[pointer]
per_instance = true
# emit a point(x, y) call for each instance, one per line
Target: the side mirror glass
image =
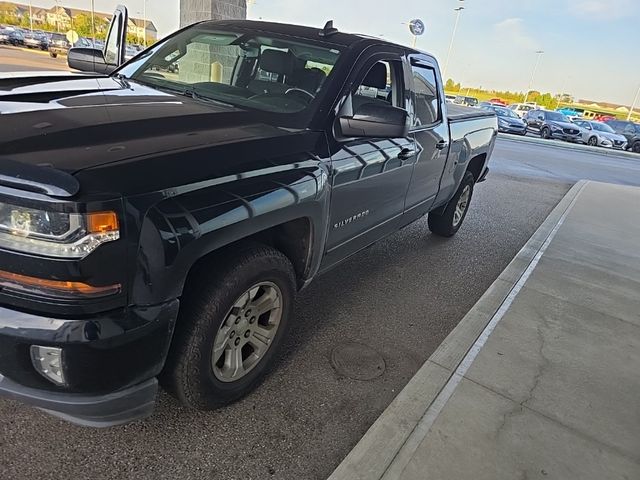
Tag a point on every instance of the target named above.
point(115, 43)
point(375, 120)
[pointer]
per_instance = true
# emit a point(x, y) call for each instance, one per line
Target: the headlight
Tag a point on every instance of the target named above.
point(55, 234)
point(555, 127)
point(502, 122)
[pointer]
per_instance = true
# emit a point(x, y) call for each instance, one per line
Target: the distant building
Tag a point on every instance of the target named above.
point(62, 18)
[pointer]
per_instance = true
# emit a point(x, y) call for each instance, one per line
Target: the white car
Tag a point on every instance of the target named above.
point(598, 134)
point(521, 109)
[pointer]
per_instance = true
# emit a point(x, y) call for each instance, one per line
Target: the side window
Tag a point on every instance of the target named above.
point(382, 83)
point(629, 129)
point(427, 103)
point(112, 43)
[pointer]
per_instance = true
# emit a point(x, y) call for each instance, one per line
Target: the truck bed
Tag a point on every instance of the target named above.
point(457, 113)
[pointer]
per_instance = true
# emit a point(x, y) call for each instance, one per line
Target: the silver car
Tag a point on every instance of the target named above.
point(598, 134)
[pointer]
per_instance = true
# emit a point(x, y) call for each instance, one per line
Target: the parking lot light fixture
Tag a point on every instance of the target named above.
point(633, 105)
point(539, 55)
point(458, 11)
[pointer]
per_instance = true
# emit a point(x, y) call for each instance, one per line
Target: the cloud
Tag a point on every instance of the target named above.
point(513, 31)
point(601, 9)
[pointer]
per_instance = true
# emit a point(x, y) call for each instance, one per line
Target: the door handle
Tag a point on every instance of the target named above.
point(406, 153)
point(441, 145)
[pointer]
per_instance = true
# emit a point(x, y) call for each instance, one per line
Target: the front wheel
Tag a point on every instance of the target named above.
point(234, 315)
point(635, 148)
point(545, 133)
point(593, 142)
point(450, 220)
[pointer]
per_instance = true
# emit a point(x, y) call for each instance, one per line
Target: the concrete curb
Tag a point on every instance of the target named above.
point(607, 152)
point(375, 453)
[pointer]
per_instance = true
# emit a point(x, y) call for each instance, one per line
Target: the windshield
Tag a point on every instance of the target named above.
point(249, 71)
point(505, 112)
point(556, 117)
point(602, 127)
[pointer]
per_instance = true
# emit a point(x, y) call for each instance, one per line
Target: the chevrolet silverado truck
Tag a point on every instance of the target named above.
point(158, 216)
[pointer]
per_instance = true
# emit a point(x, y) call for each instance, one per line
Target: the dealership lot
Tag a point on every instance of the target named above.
point(400, 297)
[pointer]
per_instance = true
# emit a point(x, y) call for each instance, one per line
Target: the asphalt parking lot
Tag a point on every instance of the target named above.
point(400, 297)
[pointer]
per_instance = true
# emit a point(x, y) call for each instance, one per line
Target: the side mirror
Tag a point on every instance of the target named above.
point(375, 120)
point(541, 117)
point(88, 60)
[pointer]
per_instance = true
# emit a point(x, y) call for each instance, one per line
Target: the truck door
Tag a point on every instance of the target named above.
point(431, 134)
point(369, 176)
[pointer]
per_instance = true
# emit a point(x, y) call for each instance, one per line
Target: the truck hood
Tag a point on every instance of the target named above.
point(75, 123)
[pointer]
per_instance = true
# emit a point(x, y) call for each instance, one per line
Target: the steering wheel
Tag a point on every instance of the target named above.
point(296, 90)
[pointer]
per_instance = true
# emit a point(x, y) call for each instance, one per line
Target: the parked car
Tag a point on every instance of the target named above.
point(59, 45)
point(450, 98)
point(5, 35)
point(498, 102)
point(36, 40)
point(16, 37)
point(630, 130)
point(508, 121)
point(464, 100)
point(598, 134)
point(521, 109)
point(179, 254)
point(549, 124)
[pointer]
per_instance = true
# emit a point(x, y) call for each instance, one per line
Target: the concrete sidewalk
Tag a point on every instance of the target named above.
point(542, 378)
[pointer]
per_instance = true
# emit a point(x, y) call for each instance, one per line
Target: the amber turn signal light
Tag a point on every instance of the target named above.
point(102, 222)
point(54, 287)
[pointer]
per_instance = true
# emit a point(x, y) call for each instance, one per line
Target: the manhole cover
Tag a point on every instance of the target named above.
point(357, 361)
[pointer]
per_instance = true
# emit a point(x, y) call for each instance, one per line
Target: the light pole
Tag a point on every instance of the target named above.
point(458, 11)
point(30, 17)
point(144, 22)
point(633, 105)
point(93, 21)
point(539, 53)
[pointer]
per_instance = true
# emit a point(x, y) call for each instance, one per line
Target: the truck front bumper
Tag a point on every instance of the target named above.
point(109, 361)
point(133, 403)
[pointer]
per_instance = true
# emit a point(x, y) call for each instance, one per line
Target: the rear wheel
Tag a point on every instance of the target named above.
point(593, 141)
point(233, 318)
point(53, 55)
point(450, 220)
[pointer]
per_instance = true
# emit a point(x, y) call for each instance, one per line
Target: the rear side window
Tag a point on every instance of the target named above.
point(427, 103)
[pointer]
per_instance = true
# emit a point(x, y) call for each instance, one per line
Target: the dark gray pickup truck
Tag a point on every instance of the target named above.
point(157, 218)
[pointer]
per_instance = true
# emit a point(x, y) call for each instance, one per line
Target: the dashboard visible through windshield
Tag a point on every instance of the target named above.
point(246, 70)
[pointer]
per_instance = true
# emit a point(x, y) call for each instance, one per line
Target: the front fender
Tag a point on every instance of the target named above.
point(178, 231)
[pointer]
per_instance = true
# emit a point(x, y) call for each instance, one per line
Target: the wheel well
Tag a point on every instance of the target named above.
point(292, 238)
point(476, 164)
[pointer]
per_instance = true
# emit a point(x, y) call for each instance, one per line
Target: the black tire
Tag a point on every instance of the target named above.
point(593, 142)
point(635, 148)
point(545, 133)
point(211, 292)
point(443, 224)
point(53, 55)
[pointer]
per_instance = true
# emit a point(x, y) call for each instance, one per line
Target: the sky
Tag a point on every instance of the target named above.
point(592, 47)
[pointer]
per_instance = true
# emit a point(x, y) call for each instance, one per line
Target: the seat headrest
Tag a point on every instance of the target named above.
point(377, 76)
point(276, 61)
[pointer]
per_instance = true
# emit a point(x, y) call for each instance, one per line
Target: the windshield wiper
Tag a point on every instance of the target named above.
point(196, 96)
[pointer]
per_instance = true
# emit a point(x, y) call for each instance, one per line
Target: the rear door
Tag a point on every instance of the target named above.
point(535, 119)
point(370, 176)
point(430, 133)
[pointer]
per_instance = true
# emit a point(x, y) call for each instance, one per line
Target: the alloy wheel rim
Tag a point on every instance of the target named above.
point(461, 206)
point(247, 332)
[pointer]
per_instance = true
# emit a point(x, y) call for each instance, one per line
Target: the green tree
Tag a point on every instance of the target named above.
point(450, 85)
point(82, 25)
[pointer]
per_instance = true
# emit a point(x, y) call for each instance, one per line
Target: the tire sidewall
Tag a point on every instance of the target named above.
point(545, 133)
point(445, 225)
point(210, 391)
point(593, 141)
